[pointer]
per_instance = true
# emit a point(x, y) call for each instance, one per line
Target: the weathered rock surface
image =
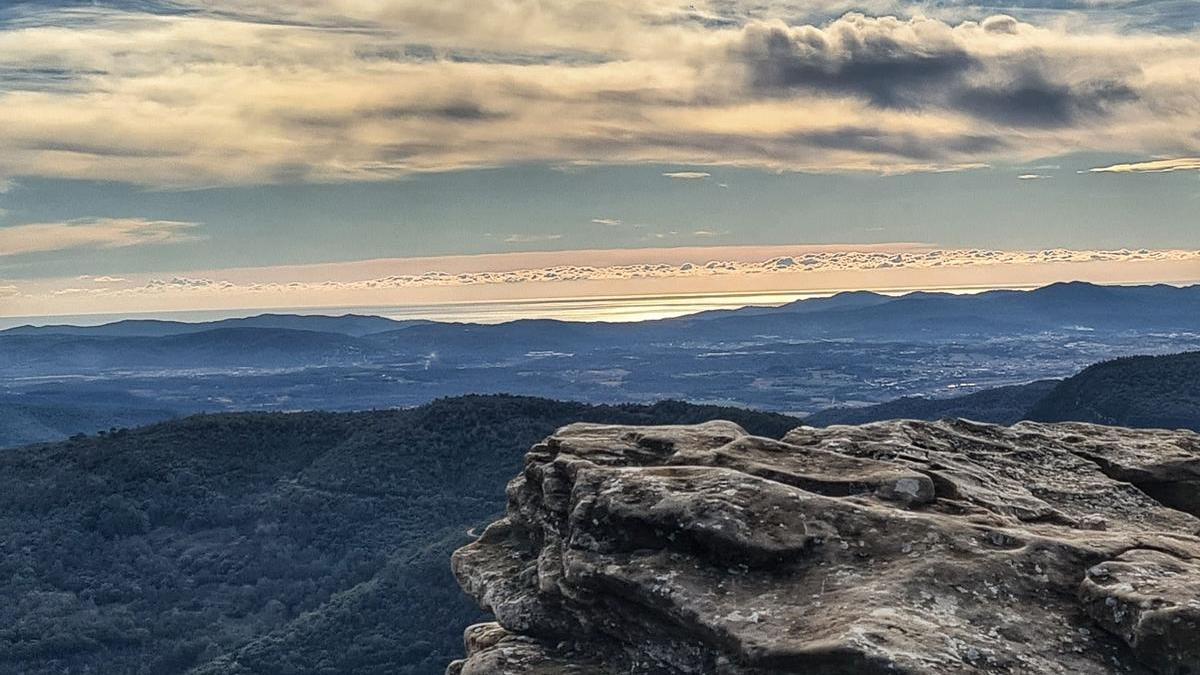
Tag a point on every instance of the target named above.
point(897, 547)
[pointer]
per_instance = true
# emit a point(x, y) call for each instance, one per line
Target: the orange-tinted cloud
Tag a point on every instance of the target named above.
point(92, 233)
point(241, 92)
point(608, 273)
point(1152, 166)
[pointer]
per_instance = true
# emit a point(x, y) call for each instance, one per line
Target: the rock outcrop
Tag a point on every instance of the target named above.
point(897, 547)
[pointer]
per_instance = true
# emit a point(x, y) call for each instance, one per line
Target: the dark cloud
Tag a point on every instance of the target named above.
point(1032, 101)
point(424, 53)
point(875, 141)
point(99, 148)
point(923, 64)
point(465, 111)
point(43, 78)
point(873, 63)
point(904, 145)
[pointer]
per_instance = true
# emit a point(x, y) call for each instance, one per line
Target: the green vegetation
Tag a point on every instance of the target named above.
point(1139, 391)
point(25, 423)
point(267, 542)
point(1142, 392)
point(318, 542)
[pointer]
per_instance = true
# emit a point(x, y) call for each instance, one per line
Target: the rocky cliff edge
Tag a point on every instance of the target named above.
point(897, 547)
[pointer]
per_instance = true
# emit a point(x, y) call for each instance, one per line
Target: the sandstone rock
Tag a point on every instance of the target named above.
point(1163, 464)
point(491, 650)
point(899, 547)
point(1151, 599)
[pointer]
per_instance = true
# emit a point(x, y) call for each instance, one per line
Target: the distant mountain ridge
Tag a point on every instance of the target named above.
point(233, 346)
point(797, 359)
point(356, 325)
point(1055, 303)
point(916, 316)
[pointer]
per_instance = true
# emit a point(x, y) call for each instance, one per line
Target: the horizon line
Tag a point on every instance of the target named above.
point(783, 297)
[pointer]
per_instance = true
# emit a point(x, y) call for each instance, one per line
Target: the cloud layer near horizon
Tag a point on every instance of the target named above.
point(232, 92)
point(868, 265)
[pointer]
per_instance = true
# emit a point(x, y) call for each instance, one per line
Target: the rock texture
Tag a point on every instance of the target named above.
point(896, 547)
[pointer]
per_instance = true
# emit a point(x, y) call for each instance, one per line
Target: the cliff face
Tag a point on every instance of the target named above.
point(897, 547)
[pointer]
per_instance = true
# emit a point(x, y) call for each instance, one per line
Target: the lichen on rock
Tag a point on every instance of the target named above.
point(896, 547)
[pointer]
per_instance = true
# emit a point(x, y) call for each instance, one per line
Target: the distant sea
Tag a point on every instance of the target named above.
point(613, 309)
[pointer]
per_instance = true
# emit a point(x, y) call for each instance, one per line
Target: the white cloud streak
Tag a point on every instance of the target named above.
point(92, 233)
point(612, 273)
point(813, 261)
point(531, 238)
point(1154, 166)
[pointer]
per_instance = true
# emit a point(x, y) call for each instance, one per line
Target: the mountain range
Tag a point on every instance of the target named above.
point(851, 349)
point(848, 314)
point(347, 324)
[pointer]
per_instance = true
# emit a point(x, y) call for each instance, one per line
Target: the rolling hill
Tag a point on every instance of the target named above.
point(1138, 391)
point(1146, 392)
point(267, 543)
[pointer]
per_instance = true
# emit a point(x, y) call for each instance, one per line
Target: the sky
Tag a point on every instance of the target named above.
point(235, 155)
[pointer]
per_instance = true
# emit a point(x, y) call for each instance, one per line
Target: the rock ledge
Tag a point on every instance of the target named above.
point(896, 547)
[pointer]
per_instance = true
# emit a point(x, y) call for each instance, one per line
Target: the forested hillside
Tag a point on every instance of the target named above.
point(1142, 392)
point(267, 543)
point(1139, 391)
point(42, 418)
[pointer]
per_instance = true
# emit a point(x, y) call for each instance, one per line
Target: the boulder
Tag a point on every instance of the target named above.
point(897, 547)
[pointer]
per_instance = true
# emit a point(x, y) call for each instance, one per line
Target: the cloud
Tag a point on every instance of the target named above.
point(871, 258)
point(188, 283)
point(1154, 166)
point(688, 175)
point(985, 70)
point(611, 272)
point(884, 59)
point(92, 233)
point(530, 238)
point(240, 92)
